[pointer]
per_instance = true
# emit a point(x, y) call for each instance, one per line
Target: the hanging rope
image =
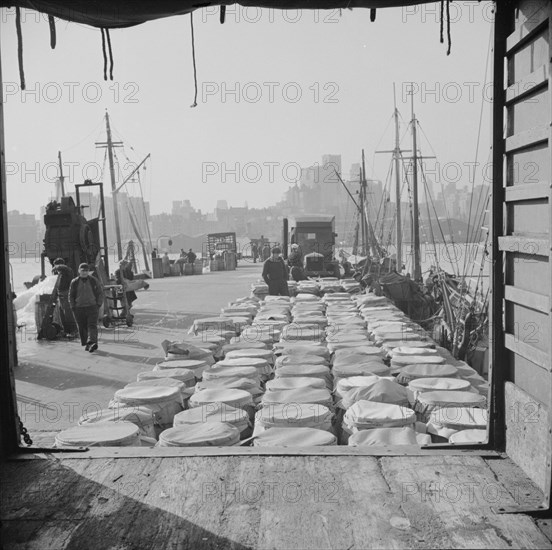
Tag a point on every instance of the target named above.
point(20, 47)
point(222, 14)
point(372, 15)
point(52, 24)
point(445, 3)
point(110, 54)
point(194, 104)
point(107, 38)
point(449, 40)
point(104, 53)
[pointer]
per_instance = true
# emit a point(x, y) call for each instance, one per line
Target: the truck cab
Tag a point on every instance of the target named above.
point(315, 235)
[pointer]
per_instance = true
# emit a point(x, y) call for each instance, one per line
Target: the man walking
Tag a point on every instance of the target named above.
point(65, 275)
point(86, 298)
point(275, 274)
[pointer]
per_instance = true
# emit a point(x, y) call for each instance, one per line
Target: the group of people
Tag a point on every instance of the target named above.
point(260, 252)
point(80, 299)
point(185, 258)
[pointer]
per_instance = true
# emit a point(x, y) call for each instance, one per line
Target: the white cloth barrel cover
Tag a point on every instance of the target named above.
point(197, 366)
point(139, 416)
point(316, 371)
point(300, 359)
point(413, 372)
point(109, 434)
point(265, 354)
point(164, 401)
point(294, 437)
point(367, 368)
point(235, 398)
point(214, 412)
point(262, 366)
point(384, 437)
point(299, 395)
point(428, 402)
point(294, 415)
point(293, 382)
point(186, 376)
point(215, 372)
point(421, 385)
point(447, 421)
point(365, 415)
point(166, 382)
point(468, 436)
point(383, 390)
point(213, 434)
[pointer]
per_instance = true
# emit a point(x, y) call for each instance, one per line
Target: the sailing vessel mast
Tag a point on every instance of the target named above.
point(417, 275)
point(396, 157)
point(110, 144)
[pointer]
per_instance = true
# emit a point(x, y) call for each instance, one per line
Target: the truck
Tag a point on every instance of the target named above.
point(223, 246)
point(315, 234)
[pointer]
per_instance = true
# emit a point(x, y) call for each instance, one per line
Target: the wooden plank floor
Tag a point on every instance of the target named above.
point(266, 502)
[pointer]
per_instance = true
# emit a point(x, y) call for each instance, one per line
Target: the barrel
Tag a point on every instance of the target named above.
point(186, 376)
point(196, 366)
point(186, 392)
point(198, 267)
point(240, 399)
point(188, 269)
point(142, 417)
point(216, 412)
point(164, 401)
point(293, 415)
point(108, 434)
point(295, 382)
point(301, 395)
point(468, 436)
point(294, 437)
point(447, 421)
point(382, 390)
point(213, 265)
point(365, 415)
point(415, 387)
point(414, 372)
point(212, 434)
point(430, 402)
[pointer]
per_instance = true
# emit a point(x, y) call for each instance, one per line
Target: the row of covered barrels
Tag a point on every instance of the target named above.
point(304, 371)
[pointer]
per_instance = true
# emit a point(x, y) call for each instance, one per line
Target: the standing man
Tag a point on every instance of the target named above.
point(254, 252)
point(86, 298)
point(191, 259)
point(275, 274)
point(65, 274)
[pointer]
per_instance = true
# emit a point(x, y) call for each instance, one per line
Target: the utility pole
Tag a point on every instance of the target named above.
point(110, 144)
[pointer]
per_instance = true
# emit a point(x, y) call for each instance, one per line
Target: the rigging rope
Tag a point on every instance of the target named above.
point(194, 104)
point(19, 46)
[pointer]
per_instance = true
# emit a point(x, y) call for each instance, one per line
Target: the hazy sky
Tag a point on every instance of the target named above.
point(277, 90)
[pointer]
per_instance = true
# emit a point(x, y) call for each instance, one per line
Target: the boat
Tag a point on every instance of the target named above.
point(445, 304)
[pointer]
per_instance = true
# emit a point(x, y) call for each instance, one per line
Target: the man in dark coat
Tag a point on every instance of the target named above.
point(86, 298)
point(275, 274)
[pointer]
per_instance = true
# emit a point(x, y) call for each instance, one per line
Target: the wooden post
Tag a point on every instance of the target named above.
point(498, 358)
point(9, 429)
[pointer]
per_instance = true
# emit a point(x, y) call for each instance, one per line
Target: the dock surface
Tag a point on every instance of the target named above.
point(86, 501)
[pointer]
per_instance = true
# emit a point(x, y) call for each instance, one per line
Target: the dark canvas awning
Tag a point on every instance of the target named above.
point(126, 13)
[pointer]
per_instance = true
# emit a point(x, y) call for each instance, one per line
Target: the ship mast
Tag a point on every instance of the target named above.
point(110, 144)
point(417, 275)
point(396, 157)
